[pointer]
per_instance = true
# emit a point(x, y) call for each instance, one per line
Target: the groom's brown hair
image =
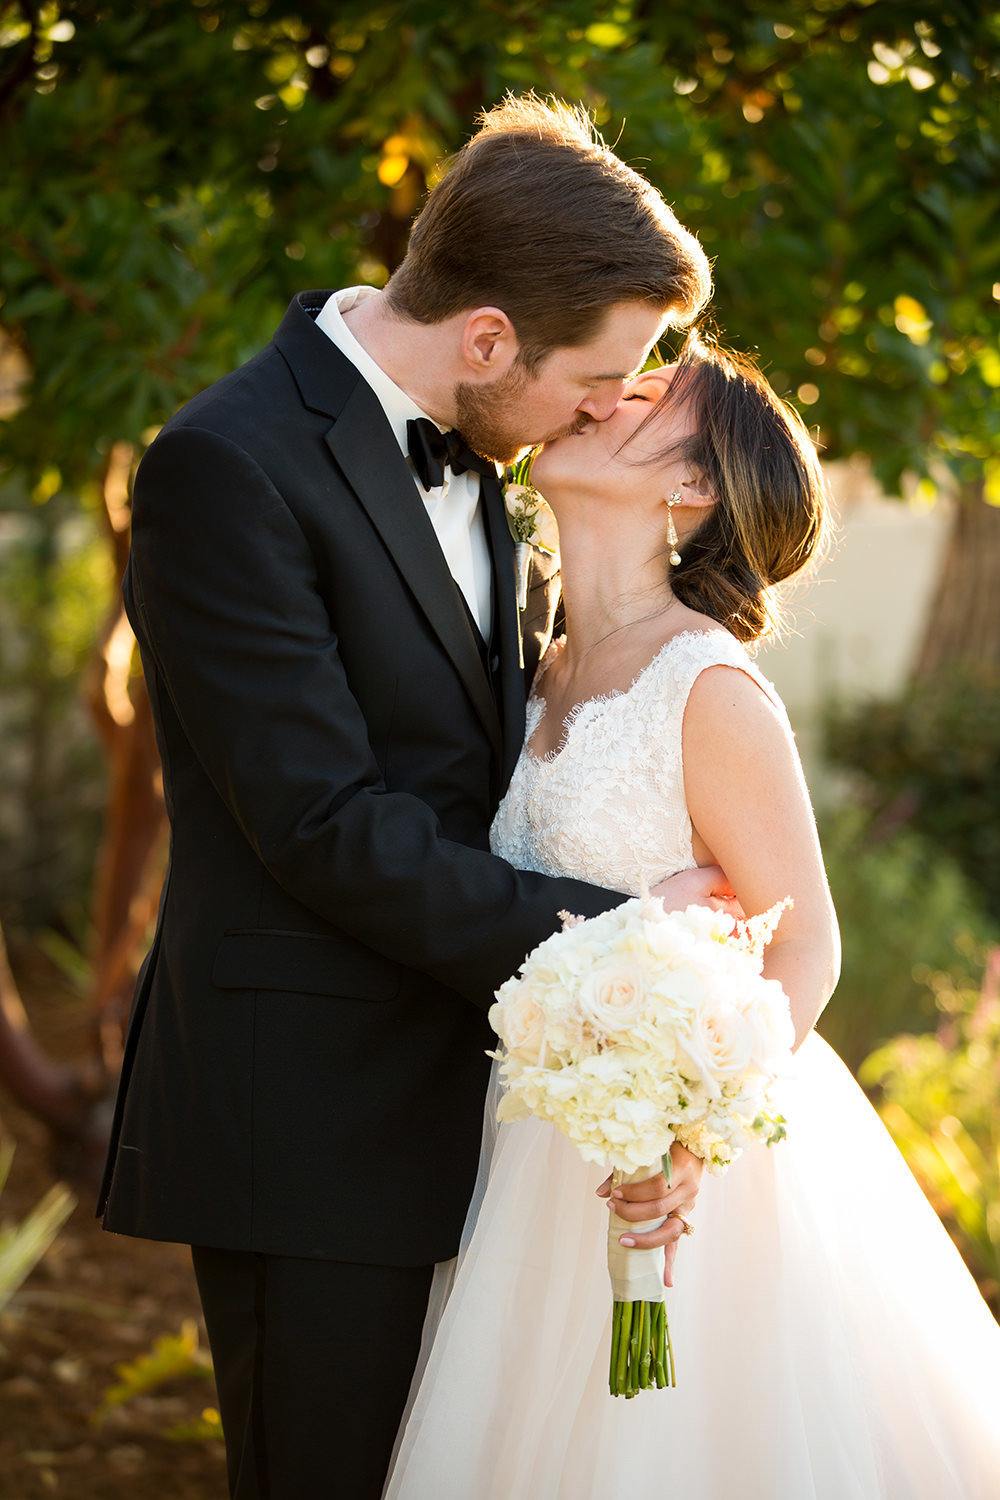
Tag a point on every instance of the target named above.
point(537, 216)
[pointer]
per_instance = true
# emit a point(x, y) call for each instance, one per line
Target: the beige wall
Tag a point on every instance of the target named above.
point(858, 621)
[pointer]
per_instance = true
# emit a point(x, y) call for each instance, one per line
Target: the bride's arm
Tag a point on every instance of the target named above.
point(748, 802)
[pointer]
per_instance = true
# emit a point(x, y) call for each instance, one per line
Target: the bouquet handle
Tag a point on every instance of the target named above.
point(641, 1354)
point(636, 1275)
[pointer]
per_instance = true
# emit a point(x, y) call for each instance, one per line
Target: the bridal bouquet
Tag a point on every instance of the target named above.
point(630, 1031)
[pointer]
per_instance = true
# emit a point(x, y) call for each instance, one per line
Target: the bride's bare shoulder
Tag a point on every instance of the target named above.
point(733, 714)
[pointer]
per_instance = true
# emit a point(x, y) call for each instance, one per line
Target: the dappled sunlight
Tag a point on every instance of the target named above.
point(171, 178)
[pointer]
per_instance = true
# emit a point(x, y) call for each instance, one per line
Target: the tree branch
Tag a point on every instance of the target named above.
point(74, 293)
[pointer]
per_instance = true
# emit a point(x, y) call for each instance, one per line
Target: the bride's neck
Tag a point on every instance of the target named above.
point(614, 581)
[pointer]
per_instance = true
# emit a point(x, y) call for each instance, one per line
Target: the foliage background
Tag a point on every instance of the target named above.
point(173, 171)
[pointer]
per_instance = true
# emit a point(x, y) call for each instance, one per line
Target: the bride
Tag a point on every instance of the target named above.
point(829, 1342)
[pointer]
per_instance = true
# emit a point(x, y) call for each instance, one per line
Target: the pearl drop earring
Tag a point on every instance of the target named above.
point(675, 556)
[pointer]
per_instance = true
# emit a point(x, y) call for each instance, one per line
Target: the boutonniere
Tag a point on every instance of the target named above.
point(530, 520)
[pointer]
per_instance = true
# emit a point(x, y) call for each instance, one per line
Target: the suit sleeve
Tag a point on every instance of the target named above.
point(224, 583)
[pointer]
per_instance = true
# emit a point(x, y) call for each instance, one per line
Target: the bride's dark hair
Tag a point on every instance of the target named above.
point(753, 453)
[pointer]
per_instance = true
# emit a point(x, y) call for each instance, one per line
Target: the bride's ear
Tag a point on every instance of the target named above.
point(695, 494)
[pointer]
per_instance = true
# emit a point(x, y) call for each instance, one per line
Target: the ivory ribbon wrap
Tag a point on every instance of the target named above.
point(522, 562)
point(636, 1275)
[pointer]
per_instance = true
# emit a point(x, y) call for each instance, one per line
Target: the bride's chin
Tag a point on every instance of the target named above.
point(546, 469)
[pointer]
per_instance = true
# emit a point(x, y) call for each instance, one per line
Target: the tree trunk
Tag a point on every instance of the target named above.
point(74, 1102)
point(963, 628)
point(64, 1098)
point(131, 857)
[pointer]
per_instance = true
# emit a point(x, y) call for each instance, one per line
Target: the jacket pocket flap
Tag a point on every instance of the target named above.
point(310, 963)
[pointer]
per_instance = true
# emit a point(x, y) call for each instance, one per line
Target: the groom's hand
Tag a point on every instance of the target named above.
point(705, 885)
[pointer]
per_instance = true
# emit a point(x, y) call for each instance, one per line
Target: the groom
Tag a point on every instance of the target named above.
point(323, 592)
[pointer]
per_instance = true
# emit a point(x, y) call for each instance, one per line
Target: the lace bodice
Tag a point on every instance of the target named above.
point(608, 805)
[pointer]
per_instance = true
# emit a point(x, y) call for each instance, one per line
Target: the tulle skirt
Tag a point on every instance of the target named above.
point(829, 1342)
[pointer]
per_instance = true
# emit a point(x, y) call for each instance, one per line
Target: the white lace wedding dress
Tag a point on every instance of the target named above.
point(829, 1342)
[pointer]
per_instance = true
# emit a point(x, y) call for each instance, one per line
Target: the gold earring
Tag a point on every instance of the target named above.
point(675, 556)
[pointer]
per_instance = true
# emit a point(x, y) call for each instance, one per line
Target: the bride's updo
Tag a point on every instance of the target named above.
point(754, 454)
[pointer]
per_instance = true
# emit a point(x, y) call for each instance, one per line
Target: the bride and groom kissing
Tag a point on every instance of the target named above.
point(324, 597)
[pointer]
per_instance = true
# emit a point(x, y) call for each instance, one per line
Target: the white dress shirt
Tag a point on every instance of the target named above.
point(453, 506)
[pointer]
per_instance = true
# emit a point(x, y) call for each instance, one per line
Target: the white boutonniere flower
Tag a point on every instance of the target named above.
point(531, 523)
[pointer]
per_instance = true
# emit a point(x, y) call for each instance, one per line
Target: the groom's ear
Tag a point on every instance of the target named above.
point(489, 343)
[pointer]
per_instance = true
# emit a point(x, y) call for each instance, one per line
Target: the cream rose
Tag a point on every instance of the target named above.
point(718, 1041)
point(613, 994)
point(546, 527)
point(524, 1027)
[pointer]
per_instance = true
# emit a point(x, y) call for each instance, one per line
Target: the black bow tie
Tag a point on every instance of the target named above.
point(432, 450)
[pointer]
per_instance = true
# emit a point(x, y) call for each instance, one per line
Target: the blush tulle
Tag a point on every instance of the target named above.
point(829, 1342)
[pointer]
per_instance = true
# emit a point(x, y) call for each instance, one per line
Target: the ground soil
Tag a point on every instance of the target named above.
point(94, 1301)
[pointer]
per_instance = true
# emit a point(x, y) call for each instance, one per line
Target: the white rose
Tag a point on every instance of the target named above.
point(546, 527)
point(718, 1041)
point(681, 991)
point(523, 1027)
point(613, 994)
point(774, 1035)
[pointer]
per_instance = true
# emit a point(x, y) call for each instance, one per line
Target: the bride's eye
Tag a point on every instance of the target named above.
point(638, 396)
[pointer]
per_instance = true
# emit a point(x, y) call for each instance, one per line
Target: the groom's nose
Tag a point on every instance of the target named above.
point(600, 404)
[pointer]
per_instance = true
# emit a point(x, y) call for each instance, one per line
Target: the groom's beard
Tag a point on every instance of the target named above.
point(488, 416)
point(493, 418)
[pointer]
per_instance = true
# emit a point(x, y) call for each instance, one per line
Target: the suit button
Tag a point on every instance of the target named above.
point(494, 663)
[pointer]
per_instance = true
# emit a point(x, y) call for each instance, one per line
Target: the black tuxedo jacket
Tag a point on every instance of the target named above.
point(308, 1031)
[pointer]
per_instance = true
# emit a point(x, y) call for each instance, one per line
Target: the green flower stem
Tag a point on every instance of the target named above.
point(660, 1349)
point(646, 1352)
point(642, 1357)
point(616, 1335)
point(622, 1363)
point(521, 471)
point(634, 1352)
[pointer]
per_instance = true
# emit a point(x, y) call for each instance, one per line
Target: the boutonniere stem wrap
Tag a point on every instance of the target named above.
point(530, 520)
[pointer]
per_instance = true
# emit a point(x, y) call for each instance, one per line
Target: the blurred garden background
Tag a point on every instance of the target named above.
point(171, 173)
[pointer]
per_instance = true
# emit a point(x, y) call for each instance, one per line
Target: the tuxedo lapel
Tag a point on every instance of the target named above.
point(376, 470)
point(367, 454)
point(507, 626)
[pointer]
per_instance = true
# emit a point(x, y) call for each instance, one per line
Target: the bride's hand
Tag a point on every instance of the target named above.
point(653, 1199)
point(703, 885)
